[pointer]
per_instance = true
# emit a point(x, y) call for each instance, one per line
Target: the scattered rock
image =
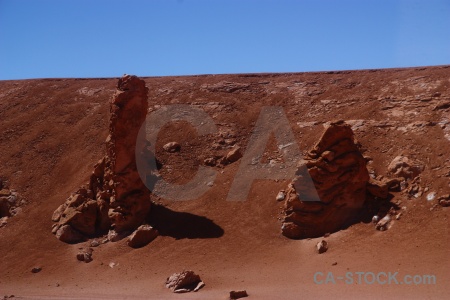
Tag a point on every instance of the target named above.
point(172, 147)
point(402, 166)
point(185, 281)
point(281, 196)
point(444, 197)
point(210, 162)
point(222, 161)
point(69, 235)
point(142, 236)
point(383, 224)
point(113, 264)
point(322, 246)
point(85, 255)
point(200, 285)
point(435, 206)
point(444, 203)
point(95, 243)
point(3, 221)
point(334, 264)
point(328, 190)
point(234, 155)
point(291, 230)
point(375, 219)
point(36, 269)
point(10, 201)
point(58, 213)
point(114, 236)
point(431, 196)
point(16, 210)
point(81, 217)
point(380, 188)
point(5, 193)
point(415, 190)
point(238, 294)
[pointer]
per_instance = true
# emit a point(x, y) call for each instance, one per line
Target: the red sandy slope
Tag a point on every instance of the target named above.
point(52, 133)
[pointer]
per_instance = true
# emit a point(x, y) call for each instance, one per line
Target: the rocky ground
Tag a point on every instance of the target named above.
point(53, 131)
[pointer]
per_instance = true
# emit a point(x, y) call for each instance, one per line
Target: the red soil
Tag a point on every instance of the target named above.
point(52, 132)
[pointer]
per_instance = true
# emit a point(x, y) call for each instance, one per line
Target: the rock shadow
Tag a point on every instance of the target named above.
point(376, 206)
point(182, 225)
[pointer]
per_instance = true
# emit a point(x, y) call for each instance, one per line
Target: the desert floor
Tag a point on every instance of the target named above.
point(52, 132)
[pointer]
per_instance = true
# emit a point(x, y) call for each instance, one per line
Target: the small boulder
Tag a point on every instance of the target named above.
point(5, 193)
point(85, 255)
point(172, 147)
point(291, 230)
point(281, 196)
point(12, 199)
point(431, 196)
point(444, 203)
point(238, 294)
point(142, 236)
point(402, 166)
point(114, 236)
point(210, 162)
point(380, 188)
point(95, 243)
point(444, 197)
point(185, 281)
point(36, 270)
point(322, 246)
point(199, 286)
point(69, 235)
point(234, 155)
point(3, 221)
point(58, 213)
point(383, 224)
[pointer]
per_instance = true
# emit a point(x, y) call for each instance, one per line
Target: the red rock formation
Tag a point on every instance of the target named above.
point(115, 196)
point(337, 190)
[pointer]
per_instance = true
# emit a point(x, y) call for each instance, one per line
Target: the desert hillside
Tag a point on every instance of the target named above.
point(53, 131)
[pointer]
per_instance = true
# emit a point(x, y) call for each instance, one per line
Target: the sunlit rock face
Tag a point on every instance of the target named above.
point(329, 188)
point(115, 196)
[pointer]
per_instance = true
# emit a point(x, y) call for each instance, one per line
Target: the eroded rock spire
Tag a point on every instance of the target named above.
point(115, 197)
point(337, 190)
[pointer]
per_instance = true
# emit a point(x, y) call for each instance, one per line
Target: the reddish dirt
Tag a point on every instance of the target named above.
point(52, 132)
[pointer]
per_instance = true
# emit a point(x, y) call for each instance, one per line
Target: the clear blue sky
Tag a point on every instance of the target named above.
point(107, 38)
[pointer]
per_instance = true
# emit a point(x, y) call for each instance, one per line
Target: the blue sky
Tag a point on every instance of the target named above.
point(107, 38)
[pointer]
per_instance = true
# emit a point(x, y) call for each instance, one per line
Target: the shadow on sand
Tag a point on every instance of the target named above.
point(182, 225)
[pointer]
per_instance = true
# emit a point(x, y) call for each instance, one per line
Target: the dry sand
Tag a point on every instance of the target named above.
point(52, 132)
